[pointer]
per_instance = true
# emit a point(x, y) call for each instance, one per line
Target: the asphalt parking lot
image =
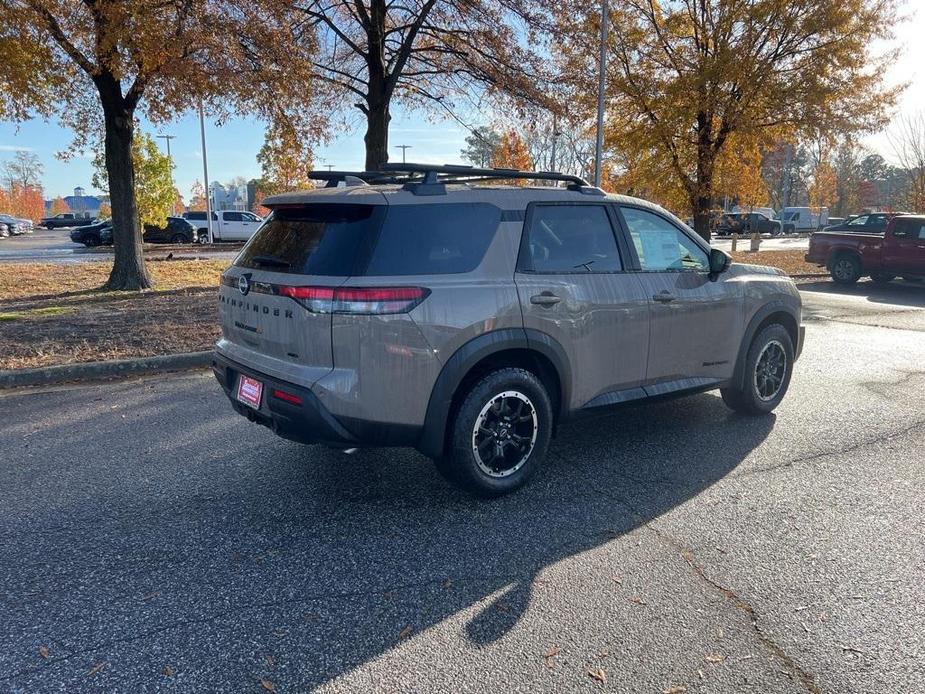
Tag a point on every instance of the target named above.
point(152, 540)
point(55, 246)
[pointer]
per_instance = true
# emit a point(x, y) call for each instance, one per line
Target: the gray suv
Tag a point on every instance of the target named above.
point(435, 308)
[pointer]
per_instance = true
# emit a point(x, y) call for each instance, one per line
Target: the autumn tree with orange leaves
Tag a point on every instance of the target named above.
point(511, 153)
point(102, 63)
point(59, 206)
point(688, 78)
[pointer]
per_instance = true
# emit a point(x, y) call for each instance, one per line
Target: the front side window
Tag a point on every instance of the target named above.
point(858, 221)
point(661, 246)
point(233, 217)
point(571, 239)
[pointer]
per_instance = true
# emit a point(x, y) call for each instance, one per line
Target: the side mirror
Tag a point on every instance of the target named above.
point(719, 261)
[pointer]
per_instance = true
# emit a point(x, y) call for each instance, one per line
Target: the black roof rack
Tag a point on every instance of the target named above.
point(430, 179)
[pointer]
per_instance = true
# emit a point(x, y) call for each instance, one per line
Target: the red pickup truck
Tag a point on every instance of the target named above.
point(848, 256)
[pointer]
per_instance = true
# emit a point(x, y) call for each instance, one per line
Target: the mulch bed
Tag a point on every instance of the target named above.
point(42, 332)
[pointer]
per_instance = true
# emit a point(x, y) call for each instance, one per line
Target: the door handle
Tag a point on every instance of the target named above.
point(664, 297)
point(545, 299)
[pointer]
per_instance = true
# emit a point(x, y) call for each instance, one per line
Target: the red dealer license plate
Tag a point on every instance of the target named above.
point(249, 391)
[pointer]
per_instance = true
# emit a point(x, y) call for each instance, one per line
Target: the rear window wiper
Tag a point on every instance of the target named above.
point(269, 261)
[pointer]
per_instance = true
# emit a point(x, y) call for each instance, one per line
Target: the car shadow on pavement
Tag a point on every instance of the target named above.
point(214, 543)
point(899, 292)
point(605, 477)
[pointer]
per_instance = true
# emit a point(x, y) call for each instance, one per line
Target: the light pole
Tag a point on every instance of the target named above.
point(205, 173)
point(168, 138)
point(601, 83)
point(403, 148)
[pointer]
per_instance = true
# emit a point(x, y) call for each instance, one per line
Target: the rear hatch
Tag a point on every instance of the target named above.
point(271, 321)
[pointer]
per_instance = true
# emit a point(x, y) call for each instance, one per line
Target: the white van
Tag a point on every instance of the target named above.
point(803, 219)
point(227, 225)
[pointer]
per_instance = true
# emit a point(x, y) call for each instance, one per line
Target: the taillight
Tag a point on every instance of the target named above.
point(286, 397)
point(357, 300)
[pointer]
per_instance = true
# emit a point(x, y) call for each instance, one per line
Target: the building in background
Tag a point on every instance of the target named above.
point(232, 196)
point(80, 203)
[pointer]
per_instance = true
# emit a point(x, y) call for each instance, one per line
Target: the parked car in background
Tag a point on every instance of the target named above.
point(4, 230)
point(99, 234)
point(871, 223)
point(15, 226)
point(748, 223)
point(798, 220)
point(26, 224)
point(766, 211)
point(177, 230)
point(851, 255)
point(227, 225)
point(66, 219)
point(495, 311)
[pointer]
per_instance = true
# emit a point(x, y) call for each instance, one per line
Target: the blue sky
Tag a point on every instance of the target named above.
point(233, 147)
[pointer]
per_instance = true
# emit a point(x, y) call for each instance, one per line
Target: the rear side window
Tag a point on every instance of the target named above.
point(324, 239)
point(570, 239)
point(908, 227)
point(435, 239)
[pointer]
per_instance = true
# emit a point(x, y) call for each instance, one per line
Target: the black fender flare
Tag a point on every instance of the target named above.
point(471, 353)
point(776, 306)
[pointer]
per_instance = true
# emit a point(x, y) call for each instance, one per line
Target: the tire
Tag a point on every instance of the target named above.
point(845, 269)
point(765, 384)
point(499, 434)
point(882, 278)
point(92, 241)
point(178, 239)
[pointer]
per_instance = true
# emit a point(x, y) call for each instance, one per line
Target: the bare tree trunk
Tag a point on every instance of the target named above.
point(701, 206)
point(128, 269)
point(377, 134)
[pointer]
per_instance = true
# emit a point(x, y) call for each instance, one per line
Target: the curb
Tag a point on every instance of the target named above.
point(96, 370)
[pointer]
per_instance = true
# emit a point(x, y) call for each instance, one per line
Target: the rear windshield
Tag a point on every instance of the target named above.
point(345, 239)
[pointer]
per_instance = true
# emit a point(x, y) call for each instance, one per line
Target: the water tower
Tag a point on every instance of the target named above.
point(78, 199)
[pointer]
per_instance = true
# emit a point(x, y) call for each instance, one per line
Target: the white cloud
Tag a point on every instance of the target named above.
point(15, 148)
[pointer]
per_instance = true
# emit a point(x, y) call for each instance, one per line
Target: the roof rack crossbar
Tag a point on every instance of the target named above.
point(452, 171)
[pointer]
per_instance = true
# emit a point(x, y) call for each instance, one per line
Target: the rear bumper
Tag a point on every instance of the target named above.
point(815, 259)
point(310, 421)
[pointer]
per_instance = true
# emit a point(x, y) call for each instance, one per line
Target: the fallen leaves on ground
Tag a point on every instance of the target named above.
point(96, 669)
point(168, 671)
point(791, 262)
point(268, 685)
point(598, 674)
point(21, 280)
point(43, 651)
point(715, 658)
point(638, 600)
point(677, 689)
point(117, 327)
point(406, 632)
point(550, 654)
